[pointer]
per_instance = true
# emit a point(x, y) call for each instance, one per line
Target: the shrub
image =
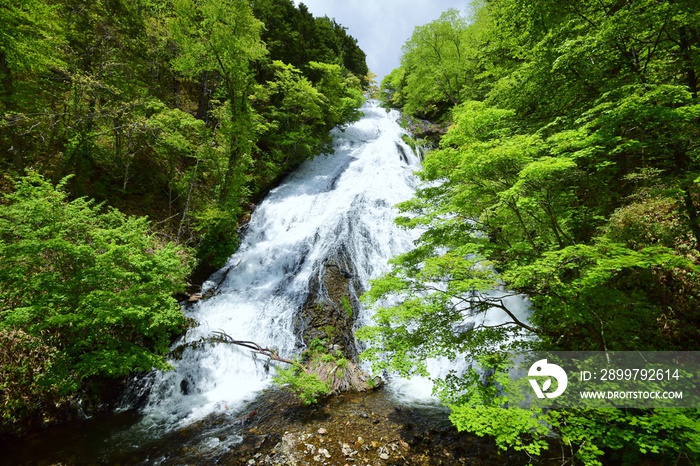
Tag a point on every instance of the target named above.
point(86, 290)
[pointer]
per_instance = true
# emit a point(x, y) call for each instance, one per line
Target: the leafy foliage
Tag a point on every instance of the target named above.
point(92, 290)
point(321, 371)
point(567, 176)
point(307, 386)
point(185, 111)
point(175, 110)
point(25, 393)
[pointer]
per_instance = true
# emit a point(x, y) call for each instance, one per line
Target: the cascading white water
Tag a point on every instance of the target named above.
point(342, 200)
point(338, 202)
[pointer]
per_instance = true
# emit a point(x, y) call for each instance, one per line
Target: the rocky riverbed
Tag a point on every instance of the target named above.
point(368, 428)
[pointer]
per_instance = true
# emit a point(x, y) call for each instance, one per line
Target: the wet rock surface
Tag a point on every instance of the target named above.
point(331, 308)
point(424, 129)
point(357, 429)
point(369, 428)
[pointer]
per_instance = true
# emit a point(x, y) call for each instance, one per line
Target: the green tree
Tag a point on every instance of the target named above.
point(441, 66)
point(29, 42)
point(222, 38)
point(568, 176)
point(435, 57)
point(148, 104)
point(92, 286)
point(292, 123)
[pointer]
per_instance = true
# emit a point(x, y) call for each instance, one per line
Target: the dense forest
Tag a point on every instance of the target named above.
point(135, 138)
point(570, 174)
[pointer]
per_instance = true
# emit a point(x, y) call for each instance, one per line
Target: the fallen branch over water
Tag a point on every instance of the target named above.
point(334, 373)
point(223, 337)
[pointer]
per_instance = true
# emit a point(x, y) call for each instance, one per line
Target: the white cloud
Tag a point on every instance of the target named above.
point(381, 27)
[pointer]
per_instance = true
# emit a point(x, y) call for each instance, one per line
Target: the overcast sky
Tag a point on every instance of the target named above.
point(382, 26)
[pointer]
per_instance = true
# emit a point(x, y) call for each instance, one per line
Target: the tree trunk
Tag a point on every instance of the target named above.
point(7, 100)
point(204, 98)
point(691, 77)
point(692, 212)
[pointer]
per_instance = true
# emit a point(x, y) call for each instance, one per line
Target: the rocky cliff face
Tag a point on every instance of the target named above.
point(332, 306)
point(427, 130)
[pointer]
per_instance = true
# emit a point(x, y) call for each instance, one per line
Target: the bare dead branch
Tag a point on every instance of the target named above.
point(223, 337)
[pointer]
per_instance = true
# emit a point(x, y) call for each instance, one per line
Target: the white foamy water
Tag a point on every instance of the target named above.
point(339, 201)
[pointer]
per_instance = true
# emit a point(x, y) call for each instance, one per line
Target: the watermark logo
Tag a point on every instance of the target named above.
point(542, 369)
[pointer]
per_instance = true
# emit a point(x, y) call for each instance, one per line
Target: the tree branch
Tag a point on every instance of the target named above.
point(500, 305)
point(223, 337)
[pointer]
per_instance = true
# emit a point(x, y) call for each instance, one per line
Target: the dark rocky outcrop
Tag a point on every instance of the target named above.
point(328, 318)
point(332, 306)
point(424, 129)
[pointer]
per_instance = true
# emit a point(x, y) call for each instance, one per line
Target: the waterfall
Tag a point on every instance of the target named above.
point(340, 201)
point(336, 206)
